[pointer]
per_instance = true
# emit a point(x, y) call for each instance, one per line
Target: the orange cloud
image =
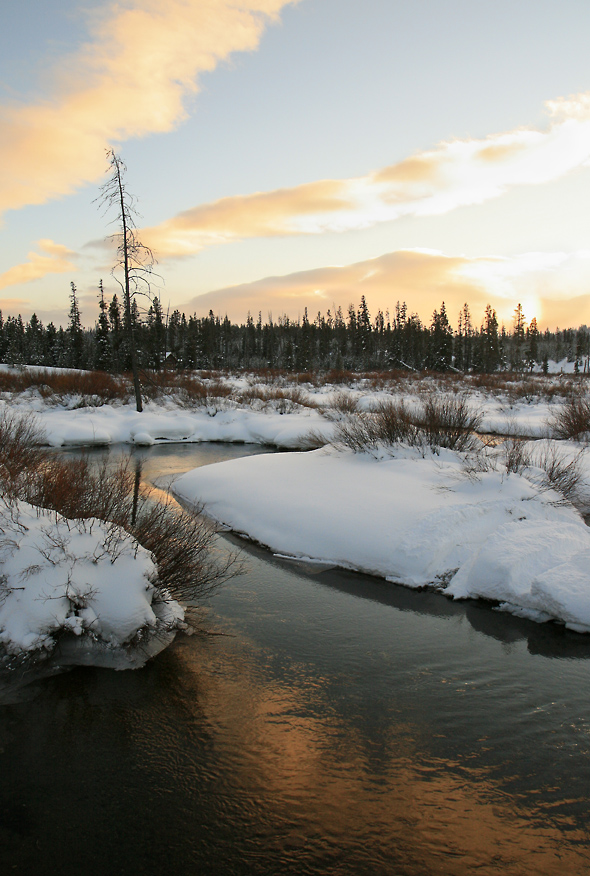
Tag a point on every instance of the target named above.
point(455, 174)
point(56, 261)
point(264, 214)
point(12, 306)
point(551, 287)
point(129, 80)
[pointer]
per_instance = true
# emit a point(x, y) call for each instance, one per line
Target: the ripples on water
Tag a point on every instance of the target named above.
point(326, 723)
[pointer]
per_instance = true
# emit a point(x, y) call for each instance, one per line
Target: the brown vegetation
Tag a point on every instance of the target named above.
point(182, 543)
point(438, 421)
point(95, 387)
point(572, 419)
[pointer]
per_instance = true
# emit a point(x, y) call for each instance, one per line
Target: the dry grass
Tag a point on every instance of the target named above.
point(572, 419)
point(95, 387)
point(440, 421)
point(182, 543)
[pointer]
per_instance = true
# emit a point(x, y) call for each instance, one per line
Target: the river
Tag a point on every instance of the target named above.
point(320, 722)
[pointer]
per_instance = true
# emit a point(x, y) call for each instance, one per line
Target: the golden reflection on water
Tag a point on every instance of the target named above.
point(385, 801)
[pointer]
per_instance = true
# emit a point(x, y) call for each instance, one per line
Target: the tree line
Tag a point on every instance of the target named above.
point(352, 340)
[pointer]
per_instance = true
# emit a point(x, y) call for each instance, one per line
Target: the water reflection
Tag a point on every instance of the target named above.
point(549, 640)
point(336, 725)
point(208, 759)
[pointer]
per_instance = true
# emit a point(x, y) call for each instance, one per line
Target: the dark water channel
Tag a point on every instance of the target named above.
point(326, 723)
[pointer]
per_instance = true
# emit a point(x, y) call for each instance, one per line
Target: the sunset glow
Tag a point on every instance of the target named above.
point(261, 152)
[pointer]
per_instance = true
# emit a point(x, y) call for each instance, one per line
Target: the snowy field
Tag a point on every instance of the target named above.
point(281, 413)
point(471, 524)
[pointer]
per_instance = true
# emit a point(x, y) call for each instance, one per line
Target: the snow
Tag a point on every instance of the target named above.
point(122, 424)
point(86, 578)
point(413, 519)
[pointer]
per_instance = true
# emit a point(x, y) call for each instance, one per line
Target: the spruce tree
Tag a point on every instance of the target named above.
point(103, 360)
point(75, 335)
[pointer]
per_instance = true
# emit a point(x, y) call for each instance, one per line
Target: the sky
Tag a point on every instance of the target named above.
point(288, 154)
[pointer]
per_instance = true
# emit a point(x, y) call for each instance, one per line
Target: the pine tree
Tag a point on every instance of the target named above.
point(490, 342)
point(155, 335)
point(75, 335)
point(518, 336)
point(103, 360)
point(532, 351)
point(116, 332)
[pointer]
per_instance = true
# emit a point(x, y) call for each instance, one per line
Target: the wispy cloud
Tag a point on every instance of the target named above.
point(130, 79)
point(57, 259)
point(551, 287)
point(434, 182)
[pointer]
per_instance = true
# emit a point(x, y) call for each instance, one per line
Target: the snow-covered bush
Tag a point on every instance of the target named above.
point(83, 587)
point(89, 551)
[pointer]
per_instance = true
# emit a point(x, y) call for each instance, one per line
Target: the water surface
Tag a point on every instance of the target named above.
point(322, 722)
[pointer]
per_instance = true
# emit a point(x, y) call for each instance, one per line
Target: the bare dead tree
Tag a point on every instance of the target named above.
point(135, 261)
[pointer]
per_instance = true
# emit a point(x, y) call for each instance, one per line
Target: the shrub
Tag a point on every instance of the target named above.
point(182, 543)
point(440, 421)
point(389, 424)
point(561, 474)
point(20, 454)
point(516, 455)
point(449, 421)
point(95, 387)
point(341, 403)
point(572, 420)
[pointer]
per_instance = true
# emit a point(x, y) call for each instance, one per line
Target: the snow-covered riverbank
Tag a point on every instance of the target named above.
point(409, 515)
point(413, 519)
point(280, 413)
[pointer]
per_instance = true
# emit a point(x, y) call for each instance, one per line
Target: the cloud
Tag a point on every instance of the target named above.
point(57, 260)
point(454, 174)
point(130, 79)
point(265, 214)
point(12, 306)
point(551, 286)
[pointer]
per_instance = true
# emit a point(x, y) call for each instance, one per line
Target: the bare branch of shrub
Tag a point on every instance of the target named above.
point(449, 421)
point(572, 419)
point(516, 455)
point(563, 475)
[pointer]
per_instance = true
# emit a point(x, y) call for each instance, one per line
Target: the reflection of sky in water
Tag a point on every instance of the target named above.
point(344, 726)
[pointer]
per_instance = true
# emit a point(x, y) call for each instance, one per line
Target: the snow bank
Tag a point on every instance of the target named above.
point(113, 424)
point(88, 579)
point(416, 521)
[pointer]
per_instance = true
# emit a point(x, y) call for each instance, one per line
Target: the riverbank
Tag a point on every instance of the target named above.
point(461, 524)
point(491, 523)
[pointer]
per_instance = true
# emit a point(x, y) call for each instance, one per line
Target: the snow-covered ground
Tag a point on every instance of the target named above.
point(79, 589)
point(266, 420)
point(414, 519)
point(410, 516)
